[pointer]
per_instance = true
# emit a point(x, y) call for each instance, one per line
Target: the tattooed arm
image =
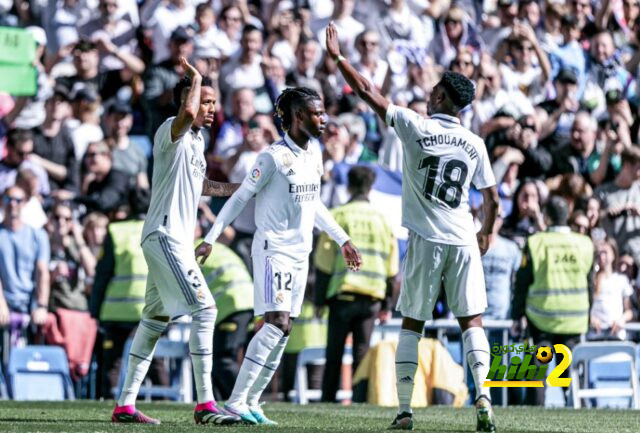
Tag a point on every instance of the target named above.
point(212, 188)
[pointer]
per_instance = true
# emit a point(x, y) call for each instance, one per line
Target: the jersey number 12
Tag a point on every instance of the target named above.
point(448, 191)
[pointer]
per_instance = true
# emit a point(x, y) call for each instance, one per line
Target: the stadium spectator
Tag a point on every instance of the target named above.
point(286, 36)
point(611, 305)
point(32, 211)
point(19, 149)
point(457, 34)
point(104, 188)
point(551, 295)
point(307, 58)
point(371, 65)
point(115, 38)
point(348, 27)
point(231, 23)
point(620, 205)
point(53, 146)
point(127, 156)
point(355, 150)
point(243, 69)
point(72, 263)
point(163, 18)
point(85, 123)
point(160, 79)
point(355, 300)
point(24, 263)
point(507, 14)
point(569, 54)
point(233, 131)
point(94, 231)
point(526, 217)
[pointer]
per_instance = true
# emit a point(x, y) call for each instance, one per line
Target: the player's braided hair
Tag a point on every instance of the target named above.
point(184, 83)
point(459, 88)
point(293, 99)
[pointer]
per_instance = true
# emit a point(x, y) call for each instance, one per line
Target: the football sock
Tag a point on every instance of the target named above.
point(265, 375)
point(258, 351)
point(140, 357)
point(406, 366)
point(200, 349)
point(476, 350)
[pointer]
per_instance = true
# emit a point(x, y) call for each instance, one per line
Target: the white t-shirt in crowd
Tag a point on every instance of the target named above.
point(608, 303)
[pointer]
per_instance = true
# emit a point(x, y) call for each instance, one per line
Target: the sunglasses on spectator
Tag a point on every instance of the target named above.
point(580, 228)
point(521, 47)
point(369, 43)
point(63, 218)
point(7, 199)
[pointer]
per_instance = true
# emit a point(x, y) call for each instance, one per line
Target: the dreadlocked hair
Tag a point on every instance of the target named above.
point(184, 83)
point(459, 88)
point(291, 100)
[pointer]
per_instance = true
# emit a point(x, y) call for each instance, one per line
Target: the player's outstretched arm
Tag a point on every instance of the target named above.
point(490, 207)
point(363, 88)
point(190, 105)
point(211, 188)
point(325, 222)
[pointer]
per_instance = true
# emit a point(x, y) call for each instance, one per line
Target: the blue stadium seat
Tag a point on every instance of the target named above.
point(315, 356)
point(455, 350)
point(40, 373)
point(611, 374)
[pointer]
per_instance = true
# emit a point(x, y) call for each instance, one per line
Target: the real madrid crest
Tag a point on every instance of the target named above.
point(279, 298)
point(287, 160)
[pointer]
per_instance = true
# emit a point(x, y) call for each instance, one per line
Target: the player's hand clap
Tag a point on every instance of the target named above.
point(333, 45)
point(203, 250)
point(189, 69)
point(351, 256)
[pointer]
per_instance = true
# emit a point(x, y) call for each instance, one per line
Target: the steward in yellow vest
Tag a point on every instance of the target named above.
point(552, 285)
point(232, 288)
point(355, 299)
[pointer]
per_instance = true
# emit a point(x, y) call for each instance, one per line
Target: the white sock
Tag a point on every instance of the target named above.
point(265, 375)
point(406, 366)
point(259, 349)
point(476, 351)
point(201, 348)
point(140, 356)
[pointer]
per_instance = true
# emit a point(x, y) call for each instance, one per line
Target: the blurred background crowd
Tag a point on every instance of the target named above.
point(556, 102)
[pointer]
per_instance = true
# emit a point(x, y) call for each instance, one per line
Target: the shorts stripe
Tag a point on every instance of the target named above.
point(175, 269)
point(267, 280)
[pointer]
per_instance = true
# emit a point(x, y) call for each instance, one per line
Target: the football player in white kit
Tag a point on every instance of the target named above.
point(286, 182)
point(441, 159)
point(175, 285)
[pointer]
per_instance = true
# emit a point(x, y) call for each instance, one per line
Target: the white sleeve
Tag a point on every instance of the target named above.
point(229, 212)
point(483, 177)
point(162, 138)
point(403, 120)
point(260, 173)
point(325, 222)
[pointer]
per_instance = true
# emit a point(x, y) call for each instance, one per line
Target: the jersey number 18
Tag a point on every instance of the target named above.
point(448, 191)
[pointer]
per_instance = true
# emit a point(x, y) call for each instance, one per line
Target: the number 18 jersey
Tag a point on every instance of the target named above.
point(441, 159)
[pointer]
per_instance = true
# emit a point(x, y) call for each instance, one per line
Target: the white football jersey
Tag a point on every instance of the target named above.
point(176, 186)
point(441, 160)
point(286, 181)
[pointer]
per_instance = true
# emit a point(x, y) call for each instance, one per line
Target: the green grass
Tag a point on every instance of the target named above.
point(89, 417)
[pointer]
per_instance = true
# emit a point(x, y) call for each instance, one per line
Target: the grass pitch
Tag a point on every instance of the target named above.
point(90, 417)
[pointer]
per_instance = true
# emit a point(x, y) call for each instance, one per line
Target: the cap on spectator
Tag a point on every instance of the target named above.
point(569, 21)
point(285, 5)
point(506, 2)
point(354, 124)
point(85, 45)
point(61, 91)
point(85, 93)
point(38, 34)
point(119, 107)
point(204, 52)
point(567, 75)
point(180, 34)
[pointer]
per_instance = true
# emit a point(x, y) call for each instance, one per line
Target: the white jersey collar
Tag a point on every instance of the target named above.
point(445, 118)
point(293, 146)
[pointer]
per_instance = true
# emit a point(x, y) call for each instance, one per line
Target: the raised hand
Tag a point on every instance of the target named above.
point(189, 69)
point(333, 45)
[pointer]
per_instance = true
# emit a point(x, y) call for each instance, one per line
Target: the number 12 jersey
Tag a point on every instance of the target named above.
point(441, 159)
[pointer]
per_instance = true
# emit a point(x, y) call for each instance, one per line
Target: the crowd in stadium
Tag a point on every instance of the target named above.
point(556, 103)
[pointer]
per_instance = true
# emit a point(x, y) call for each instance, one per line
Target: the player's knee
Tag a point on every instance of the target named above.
point(206, 315)
point(280, 321)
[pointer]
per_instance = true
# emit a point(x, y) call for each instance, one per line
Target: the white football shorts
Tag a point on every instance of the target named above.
point(279, 283)
point(428, 266)
point(175, 284)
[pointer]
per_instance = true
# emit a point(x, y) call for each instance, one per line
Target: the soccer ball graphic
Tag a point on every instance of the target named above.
point(544, 354)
